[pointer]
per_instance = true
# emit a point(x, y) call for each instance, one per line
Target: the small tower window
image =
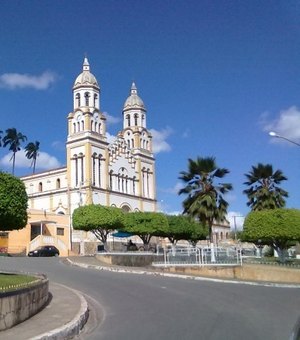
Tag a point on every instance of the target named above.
point(40, 187)
point(128, 120)
point(78, 99)
point(136, 119)
point(58, 183)
point(87, 99)
point(74, 127)
point(95, 99)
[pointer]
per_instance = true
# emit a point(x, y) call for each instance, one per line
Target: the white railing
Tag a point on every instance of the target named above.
point(200, 256)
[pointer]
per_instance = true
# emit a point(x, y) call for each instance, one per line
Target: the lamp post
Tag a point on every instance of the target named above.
point(274, 134)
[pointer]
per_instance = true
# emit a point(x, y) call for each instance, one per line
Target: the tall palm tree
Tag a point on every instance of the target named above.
point(32, 152)
point(264, 192)
point(13, 138)
point(205, 199)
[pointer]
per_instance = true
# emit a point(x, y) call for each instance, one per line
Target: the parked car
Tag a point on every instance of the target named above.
point(44, 251)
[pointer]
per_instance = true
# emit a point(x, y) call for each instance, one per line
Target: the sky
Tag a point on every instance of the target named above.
point(216, 76)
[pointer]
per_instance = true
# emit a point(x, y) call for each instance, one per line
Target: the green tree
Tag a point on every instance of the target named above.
point(264, 191)
point(98, 219)
point(13, 138)
point(205, 199)
point(273, 227)
point(145, 224)
point(32, 152)
point(182, 227)
point(13, 203)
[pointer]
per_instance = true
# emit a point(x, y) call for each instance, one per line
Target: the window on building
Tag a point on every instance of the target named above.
point(87, 99)
point(136, 119)
point(95, 99)
point(60, 231)
point(40, 187)
point(78, 99)
point(58, 183)
point(128, 120)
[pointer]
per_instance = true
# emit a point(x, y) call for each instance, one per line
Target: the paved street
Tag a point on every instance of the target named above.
point(154, 307)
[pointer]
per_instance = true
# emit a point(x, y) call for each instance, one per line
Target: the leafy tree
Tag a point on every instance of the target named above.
point(13, 138)
point(205, 199)
point(98, 219)
point(182, 227)
point(32, 152)
point(145, 224)
point(273, 227)
point(264, 192)
point(13, 203)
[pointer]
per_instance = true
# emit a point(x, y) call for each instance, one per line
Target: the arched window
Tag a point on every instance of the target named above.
point(128, 143)
point(143, 120)
point(78, 126)
point(95, 99)
point(133, 185)
point(82, 125)
point(92, 123)
point(78, 99)
point(94, 168)
point(58, 183)
point(87, 98)
point(128, 120)
point(40, 187)
point(132, 143)
point(136, 119)
point(111, 180)
point(74, 127)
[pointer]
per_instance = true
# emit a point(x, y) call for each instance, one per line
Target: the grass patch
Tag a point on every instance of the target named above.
point(10, 281)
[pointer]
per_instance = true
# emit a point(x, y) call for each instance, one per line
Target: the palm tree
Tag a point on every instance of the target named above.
point(205, 198)
point(13, 138)
point(32, 152)
point(264, 192)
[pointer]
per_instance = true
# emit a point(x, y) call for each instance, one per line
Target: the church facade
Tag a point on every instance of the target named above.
point(119, 173)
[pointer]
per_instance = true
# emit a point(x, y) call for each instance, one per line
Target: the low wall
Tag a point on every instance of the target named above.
point(132, 260)
point(247, 272)
point(17, 306)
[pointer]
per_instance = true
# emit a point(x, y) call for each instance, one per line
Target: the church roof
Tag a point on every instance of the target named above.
point(86, 77)
point(133, 101)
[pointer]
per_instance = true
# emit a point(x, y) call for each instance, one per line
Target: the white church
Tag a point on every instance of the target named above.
point(120, 174)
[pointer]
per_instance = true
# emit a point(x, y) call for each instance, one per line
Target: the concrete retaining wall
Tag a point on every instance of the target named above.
point(19, 305)
point(131, 260)
point(247, 272)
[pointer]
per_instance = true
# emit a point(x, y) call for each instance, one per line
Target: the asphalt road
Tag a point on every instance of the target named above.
point(153, 307)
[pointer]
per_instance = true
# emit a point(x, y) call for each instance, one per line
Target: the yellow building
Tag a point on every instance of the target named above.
point(119, 173)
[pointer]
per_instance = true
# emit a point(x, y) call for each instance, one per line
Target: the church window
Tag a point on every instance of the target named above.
point(82, 125)
point(74, 127)
point(40, 187)
point(133, 185)
point(99, 171)
point(78, 126)
point(94, 169)
point(58, 183)
point(82, 177)
point(128, 143)
point(92, 123)
point(87, 98)
point(76, 170)
point(78, 99)
point(126, 184)
point(136, 119)
point(110, 180)
point(132, 143)
point(128, 120)
point(95, 99)
point(143, 120)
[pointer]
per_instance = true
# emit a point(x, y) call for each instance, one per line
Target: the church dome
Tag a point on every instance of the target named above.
point(86, 77)
point(133, 101)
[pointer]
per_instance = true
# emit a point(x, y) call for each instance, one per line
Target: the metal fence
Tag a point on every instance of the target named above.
point(200, 256)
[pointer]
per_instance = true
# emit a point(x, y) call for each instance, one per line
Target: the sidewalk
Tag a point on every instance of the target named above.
point(64, 316)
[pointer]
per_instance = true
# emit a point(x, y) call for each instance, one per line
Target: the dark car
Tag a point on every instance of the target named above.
point(44, 251)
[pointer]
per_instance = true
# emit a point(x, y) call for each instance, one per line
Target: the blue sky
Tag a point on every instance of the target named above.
point(215, 77)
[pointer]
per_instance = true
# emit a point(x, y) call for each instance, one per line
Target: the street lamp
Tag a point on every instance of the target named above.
point(274, 134)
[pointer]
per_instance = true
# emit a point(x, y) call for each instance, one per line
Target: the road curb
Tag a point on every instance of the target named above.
point(181, 276)
point(71, 328)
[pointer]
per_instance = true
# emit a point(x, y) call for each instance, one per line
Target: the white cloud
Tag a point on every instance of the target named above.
point(159, 139)
point(58, 145)
point(111, 119)
point(44, 161)
point(173, 190)
point(287, 124)
point(236, 220)
point(13, 81)
point(110, 138)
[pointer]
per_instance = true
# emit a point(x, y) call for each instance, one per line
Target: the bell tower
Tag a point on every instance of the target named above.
point(86, 142)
